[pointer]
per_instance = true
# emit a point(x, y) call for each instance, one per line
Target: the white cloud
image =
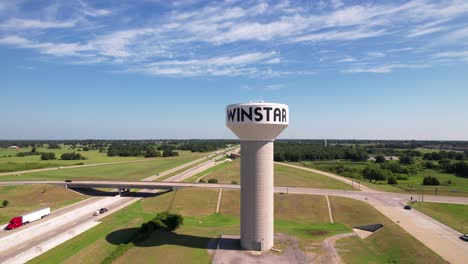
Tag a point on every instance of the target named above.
point(419, 32)
point(92, 12)
point(456, 35)
point(375, 54)
point(339, 35)
point(346, 59)
point(56, 49)
point(191, 40)
point(21, 24)
point(385, 68)
point(243, 64)
point(452, 56)
point(337, 3)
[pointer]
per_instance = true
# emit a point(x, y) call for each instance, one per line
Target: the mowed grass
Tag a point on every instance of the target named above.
point(126, 171)
point(284, 176)
point(14, 163)
point(452, 215)
point(458, 186)
point(302, 216)
point(24, 199)
point(391, 244)
point(12, 166)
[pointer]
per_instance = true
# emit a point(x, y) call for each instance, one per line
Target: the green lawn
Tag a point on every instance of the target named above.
point(458, 186)
point(284, 176)
point(391, 244)
point(15, 163)
point(126, 171)
point(302, 216)
point(453, 215)
point(24, 199)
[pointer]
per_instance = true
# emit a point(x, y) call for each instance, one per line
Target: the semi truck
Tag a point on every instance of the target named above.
point(19, 221)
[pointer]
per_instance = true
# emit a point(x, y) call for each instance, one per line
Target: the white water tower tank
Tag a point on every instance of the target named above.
point(257, 125)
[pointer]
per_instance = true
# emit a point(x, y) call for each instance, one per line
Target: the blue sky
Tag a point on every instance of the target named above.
point(167, 69)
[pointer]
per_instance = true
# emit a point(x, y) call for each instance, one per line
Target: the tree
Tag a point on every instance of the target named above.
point(279, 156)
point(356, 154)
point(392, 180)
point(429, 180)
point(48, 156)
point(151, 152)
point(445, 163)
point(170, 153)
point(33, 150)
point(72, 156)
point(373, 172)
point(5, 203)
point(406, 160)
point(212, 181)
point(165, 219)
point(379, 159)
point(430, 165)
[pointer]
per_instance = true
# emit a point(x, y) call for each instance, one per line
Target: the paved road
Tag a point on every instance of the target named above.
point(18, 245)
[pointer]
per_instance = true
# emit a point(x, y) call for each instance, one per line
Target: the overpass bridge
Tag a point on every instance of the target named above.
point(387, 198)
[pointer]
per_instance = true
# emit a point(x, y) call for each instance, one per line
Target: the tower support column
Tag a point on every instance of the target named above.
point(257, 195)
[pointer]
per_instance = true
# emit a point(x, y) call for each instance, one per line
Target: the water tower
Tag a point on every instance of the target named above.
point(257, 125)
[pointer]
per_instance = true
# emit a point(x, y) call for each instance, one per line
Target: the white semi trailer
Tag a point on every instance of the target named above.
point(18, 221)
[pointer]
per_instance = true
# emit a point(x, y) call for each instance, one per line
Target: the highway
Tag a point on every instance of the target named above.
point(18, 246)
point(440, 238)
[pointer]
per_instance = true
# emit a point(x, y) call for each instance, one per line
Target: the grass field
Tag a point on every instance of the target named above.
point(453, 215)
point(127, 171)
point(302, 216)
point(458, 186)
point(229, 172)
point(24, 199)
point(391, 244)
point(15, 163)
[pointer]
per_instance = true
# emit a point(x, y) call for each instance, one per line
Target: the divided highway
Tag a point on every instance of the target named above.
point(27, 242)
point(440, 238)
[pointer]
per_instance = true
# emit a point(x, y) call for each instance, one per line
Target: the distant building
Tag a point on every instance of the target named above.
point(13, 147)
point(372, 158)
point(392, 158)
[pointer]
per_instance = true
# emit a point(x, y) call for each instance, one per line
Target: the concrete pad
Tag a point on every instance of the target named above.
point(229, 251)
point(362, 233)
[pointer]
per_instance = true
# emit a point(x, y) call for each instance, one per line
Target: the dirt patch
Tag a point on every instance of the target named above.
point(230, 252)
point(329, 253)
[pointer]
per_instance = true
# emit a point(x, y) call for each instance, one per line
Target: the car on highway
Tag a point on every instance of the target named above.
point(68, 180)
point(103, 210)
point(464, 237)
point(407, 207)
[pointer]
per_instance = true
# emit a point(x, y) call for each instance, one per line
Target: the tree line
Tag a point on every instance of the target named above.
point(295, 152)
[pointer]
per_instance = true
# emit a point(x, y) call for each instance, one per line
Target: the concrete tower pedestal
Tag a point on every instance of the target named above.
point(257, 125)
point(257, 195)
